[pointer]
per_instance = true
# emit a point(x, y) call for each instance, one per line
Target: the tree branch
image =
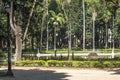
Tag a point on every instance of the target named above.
point(11, 16)
point(30, 15)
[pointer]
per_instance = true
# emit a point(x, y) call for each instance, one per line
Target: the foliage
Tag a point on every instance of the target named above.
point(56, 18)
point(33, 63)
point(60, 10)
point(59, 63)
point(88, 64)
point(81, 64)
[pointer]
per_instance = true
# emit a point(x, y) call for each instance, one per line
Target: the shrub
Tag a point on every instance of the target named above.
point(108, 64)
point(39, 62)
point(90, 64)
point(30, 63)
point(3, 63)
point(116, 64)
point(60, 63)
point(82, 64)
point(65, 63)
point(98, 64)
point(52, 63)
point(117, 57)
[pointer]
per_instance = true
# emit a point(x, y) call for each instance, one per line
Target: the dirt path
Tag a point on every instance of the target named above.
point(44, 73)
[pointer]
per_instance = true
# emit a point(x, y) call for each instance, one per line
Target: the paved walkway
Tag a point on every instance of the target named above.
point(44, 73)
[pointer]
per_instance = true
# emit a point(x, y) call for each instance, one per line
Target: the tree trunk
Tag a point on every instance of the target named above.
point(18, 50)
point(1, 43)
point(47, 45)
point(106, 38)
point(41, 36)
point(32, 41)
point(83, 24)
point(17, 31)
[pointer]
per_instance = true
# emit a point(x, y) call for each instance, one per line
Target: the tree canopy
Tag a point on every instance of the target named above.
point(33, 16)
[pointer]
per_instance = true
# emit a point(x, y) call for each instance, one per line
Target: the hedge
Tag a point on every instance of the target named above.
point(33, 63)
point(57, 63)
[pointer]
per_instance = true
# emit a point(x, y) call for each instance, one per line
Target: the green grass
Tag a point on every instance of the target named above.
point(65, 50)
point(61, 51)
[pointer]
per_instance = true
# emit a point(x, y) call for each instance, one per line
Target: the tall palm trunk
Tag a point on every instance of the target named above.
point(69, 33)
point(93, 35)
point(47, 25)
point(106, 38)
point(41, 36)
point(83, 3)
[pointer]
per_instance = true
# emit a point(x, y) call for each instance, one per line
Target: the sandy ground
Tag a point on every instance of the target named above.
point(48, 73)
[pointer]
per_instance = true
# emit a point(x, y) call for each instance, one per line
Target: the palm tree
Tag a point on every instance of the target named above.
point(67, 17)
point(48, 2)
point(56, 20)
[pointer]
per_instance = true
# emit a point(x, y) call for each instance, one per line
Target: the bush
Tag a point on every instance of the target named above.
point(117, 57)
point(116, 64)
point(30, 63)
point(3, 56)
point(52, 63)
point(66, 63)
point(82, 64)
point(3, 63)
point(59, 63)
point(98, 64)
point(108, 64)
point(89, 64)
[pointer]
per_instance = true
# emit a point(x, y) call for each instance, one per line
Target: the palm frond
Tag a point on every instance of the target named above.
point(52, 13)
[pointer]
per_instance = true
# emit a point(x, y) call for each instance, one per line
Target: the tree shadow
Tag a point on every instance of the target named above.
point(117, 71)
point(35, 74)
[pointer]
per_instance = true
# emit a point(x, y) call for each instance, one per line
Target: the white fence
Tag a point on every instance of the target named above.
point(100, 55)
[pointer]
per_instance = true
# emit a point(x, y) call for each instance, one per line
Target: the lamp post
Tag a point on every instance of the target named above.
point(55, 25)
point(9, 71)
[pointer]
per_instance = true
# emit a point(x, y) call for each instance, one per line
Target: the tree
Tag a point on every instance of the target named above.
point(17, 31)
point(16, 27)
point(56, 20)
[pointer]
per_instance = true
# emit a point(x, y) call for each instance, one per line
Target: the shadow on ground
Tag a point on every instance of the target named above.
point(117, 71)
point(35, 74)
